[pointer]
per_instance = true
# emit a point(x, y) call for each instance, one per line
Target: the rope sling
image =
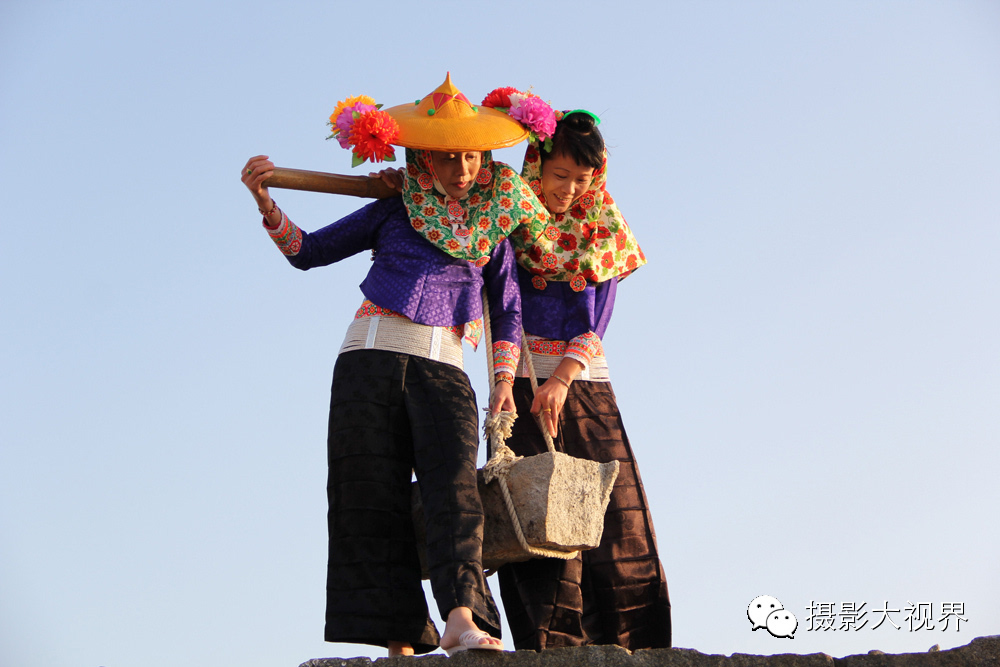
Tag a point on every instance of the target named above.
point(497, 428)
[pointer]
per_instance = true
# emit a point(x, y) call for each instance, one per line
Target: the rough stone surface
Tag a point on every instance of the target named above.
point(560, 501)
point(980, 652)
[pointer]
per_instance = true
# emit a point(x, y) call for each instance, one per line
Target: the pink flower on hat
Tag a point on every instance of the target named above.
point(534, 114)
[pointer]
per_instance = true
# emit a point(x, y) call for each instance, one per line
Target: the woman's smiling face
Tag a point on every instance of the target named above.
point(456, 172)
point(563, 180)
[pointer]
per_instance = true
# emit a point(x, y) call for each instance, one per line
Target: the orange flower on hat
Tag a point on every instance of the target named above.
point(349, 102)
point(372, 136)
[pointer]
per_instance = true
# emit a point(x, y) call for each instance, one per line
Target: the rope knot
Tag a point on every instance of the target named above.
point(499, 466)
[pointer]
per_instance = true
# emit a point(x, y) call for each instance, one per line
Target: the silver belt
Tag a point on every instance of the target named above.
point(401, 334)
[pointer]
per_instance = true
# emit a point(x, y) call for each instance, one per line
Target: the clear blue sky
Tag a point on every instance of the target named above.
point(808, 367)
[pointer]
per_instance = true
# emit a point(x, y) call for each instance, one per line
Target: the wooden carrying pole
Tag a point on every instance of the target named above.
point(338, 184)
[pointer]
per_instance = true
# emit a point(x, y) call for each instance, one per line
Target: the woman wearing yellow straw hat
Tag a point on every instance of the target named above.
point(400, 400)
point(569, 274)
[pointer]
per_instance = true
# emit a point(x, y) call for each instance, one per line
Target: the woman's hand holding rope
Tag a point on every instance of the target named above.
point(502, 398)
point(551, 396)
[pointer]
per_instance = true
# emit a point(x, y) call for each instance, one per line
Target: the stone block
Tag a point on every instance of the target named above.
point(560, 501)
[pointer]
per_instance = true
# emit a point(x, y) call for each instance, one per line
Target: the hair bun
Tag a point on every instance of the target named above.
point(580, 121)
point(577, 136)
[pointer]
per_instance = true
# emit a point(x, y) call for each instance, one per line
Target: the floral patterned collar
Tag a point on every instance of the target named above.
point(589, 242)
point(471, 227)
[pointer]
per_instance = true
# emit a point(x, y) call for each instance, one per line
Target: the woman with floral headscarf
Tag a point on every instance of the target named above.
point(400, 401)
point(569, 275)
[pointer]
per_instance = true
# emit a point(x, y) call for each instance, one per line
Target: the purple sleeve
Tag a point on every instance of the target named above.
point(348, 236)
point(604, 305)
point(500, 277)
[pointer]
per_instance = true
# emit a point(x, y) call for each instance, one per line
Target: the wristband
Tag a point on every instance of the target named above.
point(560, 379)
point(274, 207)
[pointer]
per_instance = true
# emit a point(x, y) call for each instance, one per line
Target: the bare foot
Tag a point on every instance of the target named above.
point(399, 648)
point(461, 633)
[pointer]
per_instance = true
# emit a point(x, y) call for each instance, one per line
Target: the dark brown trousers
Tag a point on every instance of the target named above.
point(390, 415)
point(616, 593)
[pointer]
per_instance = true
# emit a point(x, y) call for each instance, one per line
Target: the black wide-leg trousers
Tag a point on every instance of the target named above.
point(393, 414)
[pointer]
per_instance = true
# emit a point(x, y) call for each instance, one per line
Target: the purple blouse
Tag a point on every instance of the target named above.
point(411, 276)
point(560, 313)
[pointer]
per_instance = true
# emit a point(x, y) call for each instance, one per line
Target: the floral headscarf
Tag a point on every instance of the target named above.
point(469, 228)
point(589, 242)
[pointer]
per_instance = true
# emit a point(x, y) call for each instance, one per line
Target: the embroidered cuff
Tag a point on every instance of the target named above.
point(287, 236)
point(584, 348)
point(473, 332)
point(505, 357)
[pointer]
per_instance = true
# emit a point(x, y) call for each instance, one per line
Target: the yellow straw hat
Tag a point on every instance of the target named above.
point(445, 120)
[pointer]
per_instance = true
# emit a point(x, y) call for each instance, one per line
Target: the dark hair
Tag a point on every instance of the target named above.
point(577, 137)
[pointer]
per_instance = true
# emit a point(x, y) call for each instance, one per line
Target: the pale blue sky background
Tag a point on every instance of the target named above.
point(808, 368)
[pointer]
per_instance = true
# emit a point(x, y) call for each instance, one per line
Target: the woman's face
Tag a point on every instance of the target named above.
point(456, 171)
point(563, 180)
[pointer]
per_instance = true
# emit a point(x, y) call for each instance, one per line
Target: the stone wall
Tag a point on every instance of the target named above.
point(981, 652)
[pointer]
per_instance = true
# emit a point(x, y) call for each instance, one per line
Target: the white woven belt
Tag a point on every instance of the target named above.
point(546, 364)
point(401, 334)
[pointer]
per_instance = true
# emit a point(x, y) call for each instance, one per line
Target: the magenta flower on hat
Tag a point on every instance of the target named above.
point(345, 121)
